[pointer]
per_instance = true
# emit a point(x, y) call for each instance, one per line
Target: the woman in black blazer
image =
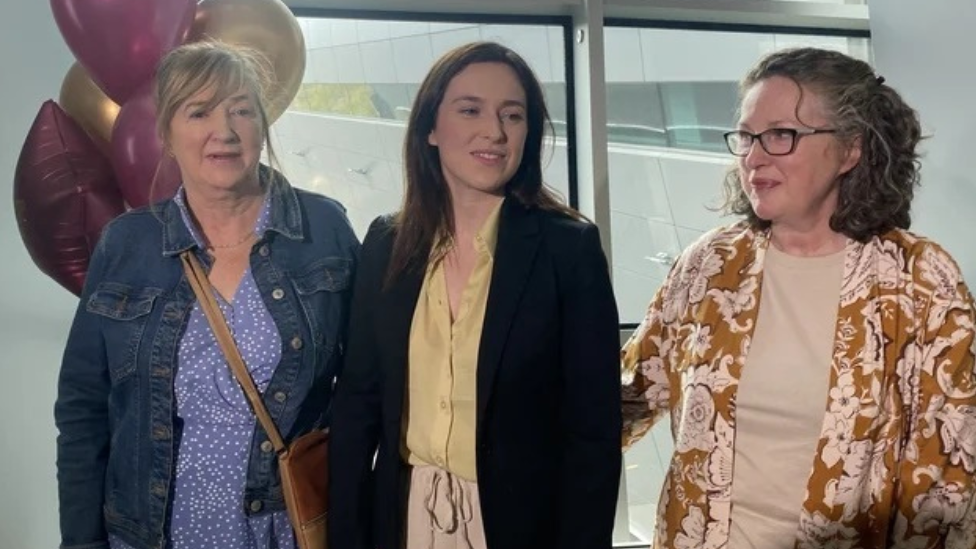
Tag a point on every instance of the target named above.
point(527, 452)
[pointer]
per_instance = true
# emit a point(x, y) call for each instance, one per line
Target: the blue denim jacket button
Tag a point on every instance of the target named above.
point(296, 343)
point(264, 250)
point(280, 396)
point(277, 293)
point(172, 312)
point(255, 506)
point(266, 446)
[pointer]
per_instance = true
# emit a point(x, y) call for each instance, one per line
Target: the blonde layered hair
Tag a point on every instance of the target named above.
point(224, 68)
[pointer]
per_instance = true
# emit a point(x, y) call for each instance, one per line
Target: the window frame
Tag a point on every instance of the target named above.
point(563, 21)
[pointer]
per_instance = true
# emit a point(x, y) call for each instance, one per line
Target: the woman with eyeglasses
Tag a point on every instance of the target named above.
point(816, 358)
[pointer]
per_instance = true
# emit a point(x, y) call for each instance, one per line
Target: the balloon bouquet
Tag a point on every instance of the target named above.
point(96, 153)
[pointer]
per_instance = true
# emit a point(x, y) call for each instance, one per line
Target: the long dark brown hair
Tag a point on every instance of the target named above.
point(875, 196)
point(427, 211)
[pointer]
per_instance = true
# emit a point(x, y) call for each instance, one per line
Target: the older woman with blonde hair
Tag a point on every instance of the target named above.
point(158, 447)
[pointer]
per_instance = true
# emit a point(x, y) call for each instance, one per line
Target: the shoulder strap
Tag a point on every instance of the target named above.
point(204, 292)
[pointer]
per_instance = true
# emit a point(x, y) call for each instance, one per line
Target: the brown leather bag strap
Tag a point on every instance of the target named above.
point(204, 292)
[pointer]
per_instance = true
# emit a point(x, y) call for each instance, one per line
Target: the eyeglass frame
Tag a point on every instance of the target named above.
point(797, 133)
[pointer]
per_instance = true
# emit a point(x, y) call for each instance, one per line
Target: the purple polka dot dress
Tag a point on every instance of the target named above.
point(211, 461)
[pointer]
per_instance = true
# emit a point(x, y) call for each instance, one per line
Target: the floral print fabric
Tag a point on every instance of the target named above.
point(896, 457)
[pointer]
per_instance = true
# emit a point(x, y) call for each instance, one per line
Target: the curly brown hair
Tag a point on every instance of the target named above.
point(876, 195)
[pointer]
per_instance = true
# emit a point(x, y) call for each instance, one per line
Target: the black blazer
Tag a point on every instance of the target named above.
point(548, 393)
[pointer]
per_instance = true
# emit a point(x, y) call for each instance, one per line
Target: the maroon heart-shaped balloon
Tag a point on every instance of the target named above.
point(64, 194)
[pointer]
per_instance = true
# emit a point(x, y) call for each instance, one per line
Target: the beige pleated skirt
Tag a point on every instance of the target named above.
point(443, 511)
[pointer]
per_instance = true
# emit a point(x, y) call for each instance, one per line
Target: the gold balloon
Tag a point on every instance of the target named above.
point(88, 105)
point(267, 26)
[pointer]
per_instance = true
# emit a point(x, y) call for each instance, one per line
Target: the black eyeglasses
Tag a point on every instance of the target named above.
point(775, 141)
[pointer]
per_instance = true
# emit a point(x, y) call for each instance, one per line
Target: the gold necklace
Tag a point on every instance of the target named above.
point(246, 237)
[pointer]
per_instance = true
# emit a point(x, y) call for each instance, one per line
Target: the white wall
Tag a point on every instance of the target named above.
point(927, 55)
point(34, 311)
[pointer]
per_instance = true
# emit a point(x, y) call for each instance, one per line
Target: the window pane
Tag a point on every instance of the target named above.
point(670, 96)
point(343, 134)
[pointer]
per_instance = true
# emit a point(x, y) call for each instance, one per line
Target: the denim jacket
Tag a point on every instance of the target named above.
point(115, 409)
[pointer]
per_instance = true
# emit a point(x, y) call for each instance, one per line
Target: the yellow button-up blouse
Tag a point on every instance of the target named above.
point(440, 418)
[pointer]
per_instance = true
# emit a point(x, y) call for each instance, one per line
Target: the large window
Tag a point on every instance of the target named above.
point(343, 134)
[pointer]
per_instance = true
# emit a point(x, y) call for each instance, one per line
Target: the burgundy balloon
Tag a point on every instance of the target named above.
point(137, 154)
point(64, 194)
point(120, 42)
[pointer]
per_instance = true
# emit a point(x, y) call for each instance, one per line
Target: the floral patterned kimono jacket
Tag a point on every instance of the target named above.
point(895, 462)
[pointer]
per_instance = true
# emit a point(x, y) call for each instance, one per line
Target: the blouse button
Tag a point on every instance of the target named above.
point(277, 293)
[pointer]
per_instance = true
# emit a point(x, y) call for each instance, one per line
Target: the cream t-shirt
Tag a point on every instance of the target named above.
point(782, 396)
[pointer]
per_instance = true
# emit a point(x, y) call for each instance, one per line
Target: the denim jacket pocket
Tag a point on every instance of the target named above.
point(319, 288)
point(126, 312)
point(330, 274)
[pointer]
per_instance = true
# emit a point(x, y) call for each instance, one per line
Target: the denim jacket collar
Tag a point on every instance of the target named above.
point(286, 215)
